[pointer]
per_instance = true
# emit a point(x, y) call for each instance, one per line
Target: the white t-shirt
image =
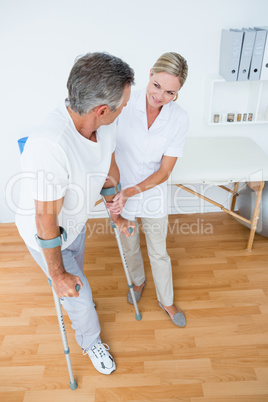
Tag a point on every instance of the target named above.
point(57, 162)
point(139, 151)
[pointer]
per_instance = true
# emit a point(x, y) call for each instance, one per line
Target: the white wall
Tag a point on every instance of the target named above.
point(39, 41)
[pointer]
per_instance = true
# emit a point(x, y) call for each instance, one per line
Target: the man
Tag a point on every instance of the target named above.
point(67, 161)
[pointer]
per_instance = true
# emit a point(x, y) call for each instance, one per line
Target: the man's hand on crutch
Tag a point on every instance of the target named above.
point(117, 204)
point(110, 190)
point(124, 226)
point(63, 283)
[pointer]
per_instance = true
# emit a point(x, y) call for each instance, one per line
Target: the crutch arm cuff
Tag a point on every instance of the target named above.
point(111, 190)
point(52, 243)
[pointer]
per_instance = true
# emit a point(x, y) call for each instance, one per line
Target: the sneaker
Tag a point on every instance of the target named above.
point(101, 358)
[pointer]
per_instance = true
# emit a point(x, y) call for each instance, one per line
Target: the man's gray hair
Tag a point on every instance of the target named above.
point(98, 79)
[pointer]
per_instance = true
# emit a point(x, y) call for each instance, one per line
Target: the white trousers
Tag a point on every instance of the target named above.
point(156, 233)
point(81, 310)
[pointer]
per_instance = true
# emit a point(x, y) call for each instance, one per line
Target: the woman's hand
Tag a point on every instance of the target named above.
point(123, 225)
point(116, 206)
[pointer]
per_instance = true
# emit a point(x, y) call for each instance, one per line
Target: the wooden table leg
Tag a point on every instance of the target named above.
point(257, 187)
point(234, 197)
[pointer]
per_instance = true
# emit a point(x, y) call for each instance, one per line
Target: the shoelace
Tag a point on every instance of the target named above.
point(101, 348)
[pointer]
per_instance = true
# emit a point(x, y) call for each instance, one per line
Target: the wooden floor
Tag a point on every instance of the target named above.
point(220, 356)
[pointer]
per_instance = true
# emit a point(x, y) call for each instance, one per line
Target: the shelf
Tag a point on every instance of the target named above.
point(237, 97)
point(239, 123)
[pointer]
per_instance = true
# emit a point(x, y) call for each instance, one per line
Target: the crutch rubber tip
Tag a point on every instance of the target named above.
point(138, 317)
point(73, 385)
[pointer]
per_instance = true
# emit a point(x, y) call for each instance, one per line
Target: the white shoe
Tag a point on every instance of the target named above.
point(101, 358)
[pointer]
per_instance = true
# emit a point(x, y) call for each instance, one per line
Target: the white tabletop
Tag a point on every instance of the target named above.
point(220, 160)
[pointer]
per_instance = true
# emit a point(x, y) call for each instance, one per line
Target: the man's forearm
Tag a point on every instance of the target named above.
point(47, 226)
point(54, 261)
point(112, 179)
point(48, 229)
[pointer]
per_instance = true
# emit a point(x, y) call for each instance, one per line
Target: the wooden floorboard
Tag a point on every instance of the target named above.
point(220, 356)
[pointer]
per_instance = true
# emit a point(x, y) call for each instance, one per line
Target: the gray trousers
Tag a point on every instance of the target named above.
point(81, 310)
point(155, 230)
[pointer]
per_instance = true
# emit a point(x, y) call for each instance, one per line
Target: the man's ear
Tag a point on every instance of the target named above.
point(101, 110)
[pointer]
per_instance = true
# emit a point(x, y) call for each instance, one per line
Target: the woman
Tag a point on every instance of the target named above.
point(151, 134)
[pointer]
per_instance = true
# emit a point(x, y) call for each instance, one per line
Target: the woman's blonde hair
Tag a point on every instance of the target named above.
point(172, 63)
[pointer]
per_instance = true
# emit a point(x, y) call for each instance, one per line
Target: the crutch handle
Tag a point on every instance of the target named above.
point(77, 287)
point(130, 230)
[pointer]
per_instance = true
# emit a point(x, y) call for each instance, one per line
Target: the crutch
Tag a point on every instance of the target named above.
point(73, 383)
point(49, 244)
point(123, 258)
point(66, 349)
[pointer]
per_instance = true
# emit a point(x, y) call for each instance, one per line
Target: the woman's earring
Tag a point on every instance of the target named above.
point(176, 97)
